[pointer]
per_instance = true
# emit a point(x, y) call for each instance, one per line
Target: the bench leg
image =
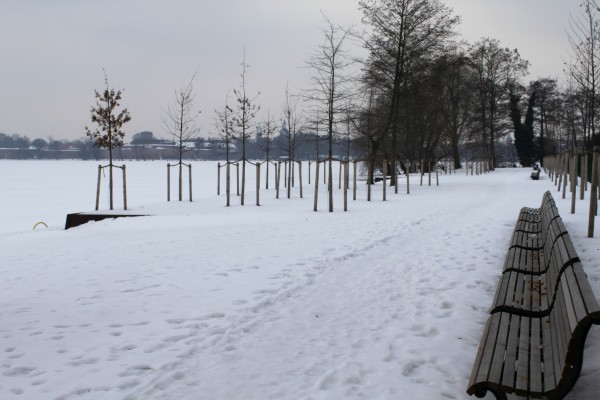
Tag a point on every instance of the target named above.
point(480, 394)
point(499, 395)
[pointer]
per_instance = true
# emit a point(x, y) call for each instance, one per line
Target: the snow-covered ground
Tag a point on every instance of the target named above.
point(201, 301)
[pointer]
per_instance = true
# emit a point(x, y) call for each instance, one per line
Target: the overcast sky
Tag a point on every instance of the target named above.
point(53, 51)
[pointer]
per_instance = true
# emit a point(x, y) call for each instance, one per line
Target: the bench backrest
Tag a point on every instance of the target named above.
point(575, 310)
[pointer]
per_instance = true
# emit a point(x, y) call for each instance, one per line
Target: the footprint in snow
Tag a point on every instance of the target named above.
point(19, 371)
point(412, 367)
point(446, 305)
point(135, 370)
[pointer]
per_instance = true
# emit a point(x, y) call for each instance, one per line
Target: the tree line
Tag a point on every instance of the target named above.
point(419, 93)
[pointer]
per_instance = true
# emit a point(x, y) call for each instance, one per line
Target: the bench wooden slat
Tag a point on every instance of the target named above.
point(527, 297)
point(522, 382)
point(591, 304)
point(510, 361)
point(500, 296)
point(501, 290)
point(536, 373)
point(489, 345)
point(557, 320)
point(520, 292)
point(475, 374)
point(529, 226)
point(548, 360)
point(573, 303)
point(499, 351)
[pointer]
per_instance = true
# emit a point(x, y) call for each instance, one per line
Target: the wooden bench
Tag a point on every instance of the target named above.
point(532, 344)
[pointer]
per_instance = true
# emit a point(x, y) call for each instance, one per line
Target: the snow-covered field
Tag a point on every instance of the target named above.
point(201, 301)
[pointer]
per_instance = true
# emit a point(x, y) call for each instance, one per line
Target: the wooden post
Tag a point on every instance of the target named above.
point(395, 176)
point(340, 183)
point(300, 178)
point(237, 171)
point(565, 177)
point(277, 179)
point(293, 173)
point(348, 174)
point(560, 163)
point(218, 179)
point(267, 175)
point(228, 182)
point(276, 175)
point(584, 176)
point(285, 174)
point(124, 189)
point(384, 179)
point(422, 170)
point(243, 197)
point(594, 192)
point(180, 181)
point(316, 186)
point(309, 173)
point(354, 181)
point(429, 165)
point(556, 163)
point(168, 182)
point(190, 168)
point(346, 171)
point(369, 174)
point(290, 165)
point(98, 187)
point(258, 184)
point(573, 182)
point(408, 177)
point(437, 175)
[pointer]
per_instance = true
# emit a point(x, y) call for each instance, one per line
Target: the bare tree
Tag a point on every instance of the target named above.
point(314, 124)
point(331, 83)
point(497, 69)
point(369, 126)
point(291, 121)
point(584, 65)
point(457, 80)
point(546, 90)
point(224, 122)
point(179, 121)
point(268, 129)
point(403, 32)
point(110, 121)
point(243, 117)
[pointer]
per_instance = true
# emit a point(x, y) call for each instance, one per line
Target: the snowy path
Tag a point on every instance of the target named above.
point(377, 320)
point(385, 302)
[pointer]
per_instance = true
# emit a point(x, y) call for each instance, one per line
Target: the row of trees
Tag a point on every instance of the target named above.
point(419, 94)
